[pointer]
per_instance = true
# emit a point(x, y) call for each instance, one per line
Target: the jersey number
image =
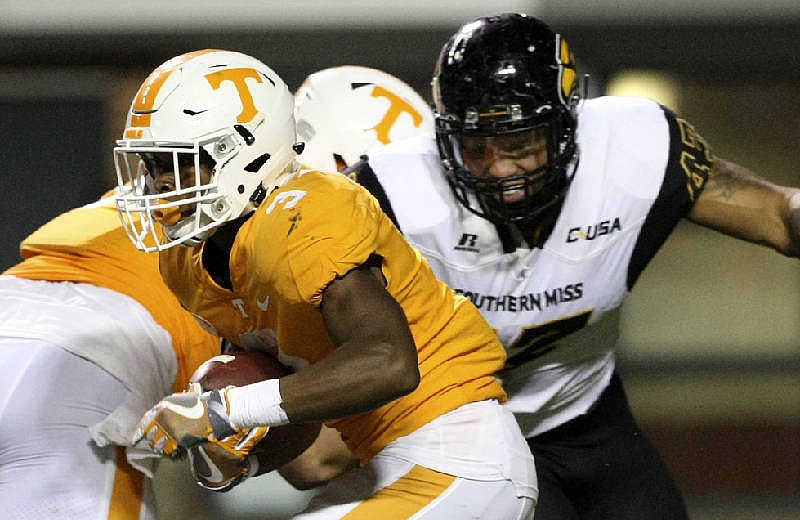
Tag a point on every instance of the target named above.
point(695, 158)
point(538, 341)
point(288, 199)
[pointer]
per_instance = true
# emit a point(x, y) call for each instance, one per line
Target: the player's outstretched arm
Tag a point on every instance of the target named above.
point(741, 204)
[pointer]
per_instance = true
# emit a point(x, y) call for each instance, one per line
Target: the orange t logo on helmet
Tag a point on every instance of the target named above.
point(397, 105)
point(238, 77)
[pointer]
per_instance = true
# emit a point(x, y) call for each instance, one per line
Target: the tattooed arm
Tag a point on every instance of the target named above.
point(741, 204)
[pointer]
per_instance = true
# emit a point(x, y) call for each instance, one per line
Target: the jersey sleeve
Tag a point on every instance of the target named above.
point(335, 229)
point(689, 163)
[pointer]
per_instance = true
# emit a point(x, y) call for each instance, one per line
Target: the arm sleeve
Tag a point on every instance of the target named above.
point(338, 232)
point(688, 165)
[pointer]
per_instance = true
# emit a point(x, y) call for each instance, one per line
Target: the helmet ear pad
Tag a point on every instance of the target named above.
point(499, 75)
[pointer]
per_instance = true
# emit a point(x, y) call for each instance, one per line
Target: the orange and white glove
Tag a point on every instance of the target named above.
point(217, 469)
point(185, 419)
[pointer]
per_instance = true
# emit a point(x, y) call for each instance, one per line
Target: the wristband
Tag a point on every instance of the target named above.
point(256, 404)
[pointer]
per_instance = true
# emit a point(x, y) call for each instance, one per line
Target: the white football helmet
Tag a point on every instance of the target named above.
point(343, 111)
point(219, 105)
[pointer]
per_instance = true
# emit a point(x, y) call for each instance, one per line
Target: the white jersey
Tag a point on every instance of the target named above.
point(556, 308)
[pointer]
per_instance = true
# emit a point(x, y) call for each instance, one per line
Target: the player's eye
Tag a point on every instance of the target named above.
point(185, 160)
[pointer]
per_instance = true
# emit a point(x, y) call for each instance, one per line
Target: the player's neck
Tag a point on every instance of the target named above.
point(528, 234)
point(217, 251)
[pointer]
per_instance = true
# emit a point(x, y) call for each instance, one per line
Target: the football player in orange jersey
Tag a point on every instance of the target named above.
point(342, 112)
point(84, 353)
point(384, 353)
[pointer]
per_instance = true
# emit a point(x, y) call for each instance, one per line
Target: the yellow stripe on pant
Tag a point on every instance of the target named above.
point(126, 498)
point(405, 497)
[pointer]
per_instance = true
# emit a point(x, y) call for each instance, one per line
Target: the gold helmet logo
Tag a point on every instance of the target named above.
point(567, 75)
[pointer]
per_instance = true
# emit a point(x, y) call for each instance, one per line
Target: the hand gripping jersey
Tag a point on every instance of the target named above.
point(89, 245)
point(556, 308)
point(312, 229)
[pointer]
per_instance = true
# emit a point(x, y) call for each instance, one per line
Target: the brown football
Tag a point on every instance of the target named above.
point(282, 443)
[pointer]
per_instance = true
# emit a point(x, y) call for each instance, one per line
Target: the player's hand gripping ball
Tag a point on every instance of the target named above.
point(185, 419)
point(214, 468)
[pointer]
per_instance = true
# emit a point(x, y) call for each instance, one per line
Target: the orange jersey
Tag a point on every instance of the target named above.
point(317, 227)
point(89, 245)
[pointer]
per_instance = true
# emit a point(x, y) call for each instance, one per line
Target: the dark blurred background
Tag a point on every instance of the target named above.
point(710, 344)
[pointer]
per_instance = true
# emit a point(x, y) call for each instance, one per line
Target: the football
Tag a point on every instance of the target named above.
point(282, 443)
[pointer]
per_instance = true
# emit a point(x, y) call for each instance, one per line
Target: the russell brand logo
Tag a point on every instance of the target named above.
point(606, 227)
point(467, 243)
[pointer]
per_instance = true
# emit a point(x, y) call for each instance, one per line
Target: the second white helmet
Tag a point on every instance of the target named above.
point(343, 111)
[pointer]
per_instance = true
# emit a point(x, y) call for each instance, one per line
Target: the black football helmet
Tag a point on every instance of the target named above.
point(501, 75)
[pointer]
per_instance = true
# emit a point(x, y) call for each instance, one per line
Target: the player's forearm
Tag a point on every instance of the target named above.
point(353, 379)
point(739, 203)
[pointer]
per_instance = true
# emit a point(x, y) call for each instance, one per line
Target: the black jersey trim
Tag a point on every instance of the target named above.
point(363, 174)
point(672, 204)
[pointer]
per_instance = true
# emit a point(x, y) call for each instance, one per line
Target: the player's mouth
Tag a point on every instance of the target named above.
point(512, 194)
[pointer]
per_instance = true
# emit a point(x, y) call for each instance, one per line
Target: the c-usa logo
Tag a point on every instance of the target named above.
point(606, 227)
